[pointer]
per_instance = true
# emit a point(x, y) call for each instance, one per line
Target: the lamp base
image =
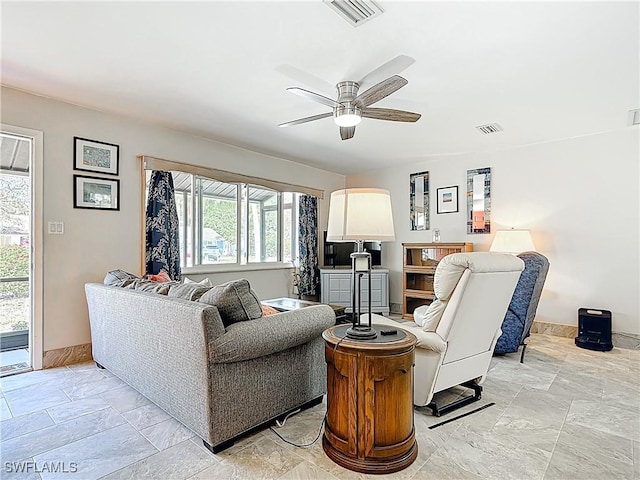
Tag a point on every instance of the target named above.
point(361, 332)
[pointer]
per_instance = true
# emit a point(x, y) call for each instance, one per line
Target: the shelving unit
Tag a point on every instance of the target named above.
point(419, 265)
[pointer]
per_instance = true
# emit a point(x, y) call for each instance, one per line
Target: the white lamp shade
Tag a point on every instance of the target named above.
point(512, 241)
point(360, 214)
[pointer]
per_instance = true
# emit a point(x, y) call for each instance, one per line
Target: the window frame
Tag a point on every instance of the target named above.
point(149, 163)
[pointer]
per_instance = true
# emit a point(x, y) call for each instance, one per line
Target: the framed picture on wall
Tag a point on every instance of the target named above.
point(479, 200)
point(419, 201)
point(96, 193)
point(95, 156)
point(447, 199)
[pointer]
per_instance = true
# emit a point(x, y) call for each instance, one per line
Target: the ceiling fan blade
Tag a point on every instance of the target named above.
point(392, 67)
point(315, 97)
point(307, 79)
point(306, 119)
point(380, 91)
point(347, 132)
point(390, 114)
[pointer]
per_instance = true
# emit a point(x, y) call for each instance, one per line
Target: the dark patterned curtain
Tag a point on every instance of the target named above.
point(162, 227)
point(308, 245)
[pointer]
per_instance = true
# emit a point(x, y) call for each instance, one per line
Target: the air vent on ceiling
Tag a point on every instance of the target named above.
point(634, 117)
point(489, 128)
point(355, 12)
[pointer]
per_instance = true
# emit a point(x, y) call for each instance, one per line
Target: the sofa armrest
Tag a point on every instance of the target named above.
point(270, 334)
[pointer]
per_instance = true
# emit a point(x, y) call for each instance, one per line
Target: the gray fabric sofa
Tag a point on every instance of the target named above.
point(221, 383)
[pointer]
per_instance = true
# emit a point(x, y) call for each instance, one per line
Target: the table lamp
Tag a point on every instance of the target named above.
point(512, 241)
point(360, 214)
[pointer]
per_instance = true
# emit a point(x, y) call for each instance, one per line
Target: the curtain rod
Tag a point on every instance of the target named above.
point(154, 163)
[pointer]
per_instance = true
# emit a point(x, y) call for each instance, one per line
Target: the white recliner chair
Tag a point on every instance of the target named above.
point(459, 330)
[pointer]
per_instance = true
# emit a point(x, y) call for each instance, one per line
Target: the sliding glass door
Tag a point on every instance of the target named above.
point(17, 251)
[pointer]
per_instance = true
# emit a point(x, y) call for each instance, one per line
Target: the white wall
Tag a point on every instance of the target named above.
point(97, 241)
point(580, 199)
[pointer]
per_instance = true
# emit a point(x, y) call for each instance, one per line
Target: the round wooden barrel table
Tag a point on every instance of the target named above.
point(369, 426)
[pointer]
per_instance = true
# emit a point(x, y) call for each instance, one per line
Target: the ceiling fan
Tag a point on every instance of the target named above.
point(350, 107)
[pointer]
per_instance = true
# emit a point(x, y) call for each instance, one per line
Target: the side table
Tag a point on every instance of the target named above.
point(369, 426)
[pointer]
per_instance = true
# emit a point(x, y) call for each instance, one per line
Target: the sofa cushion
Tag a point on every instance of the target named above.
point(235, 300)
point(188, 291)
point(144, 285)
point(118, 278)
point(205, 281)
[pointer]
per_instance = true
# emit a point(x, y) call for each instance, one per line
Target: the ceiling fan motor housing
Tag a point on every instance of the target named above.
point(347, 91)
point(347, 114)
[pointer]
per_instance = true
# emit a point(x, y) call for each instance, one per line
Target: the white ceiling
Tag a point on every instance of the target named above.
point(543, 71)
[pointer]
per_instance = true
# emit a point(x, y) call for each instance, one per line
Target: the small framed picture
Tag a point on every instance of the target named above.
point(447, 199)
point(96, 193)
point(95, 156)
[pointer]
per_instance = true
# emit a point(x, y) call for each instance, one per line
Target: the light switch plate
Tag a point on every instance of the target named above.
point(55, 228)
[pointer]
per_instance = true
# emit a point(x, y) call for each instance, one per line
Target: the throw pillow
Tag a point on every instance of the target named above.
point(418, 314)
point(235, 300)
point(428, 316)
point(189, 291)
point(118, 278)
point(268, 310)
point(150, 286)
point(162, 276)
point(206, 282)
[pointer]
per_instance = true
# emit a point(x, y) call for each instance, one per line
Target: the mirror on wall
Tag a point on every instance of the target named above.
point(419, 200)
point(479, 200)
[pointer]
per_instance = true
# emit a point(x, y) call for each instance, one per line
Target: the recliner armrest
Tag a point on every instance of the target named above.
point(270, 334)
point(430, 341)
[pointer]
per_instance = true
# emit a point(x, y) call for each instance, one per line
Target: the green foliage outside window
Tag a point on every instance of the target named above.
point(14, 262)
point(220, 215)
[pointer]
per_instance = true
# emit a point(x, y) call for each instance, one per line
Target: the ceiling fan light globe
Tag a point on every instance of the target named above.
point(347, 116)
point(348, 120)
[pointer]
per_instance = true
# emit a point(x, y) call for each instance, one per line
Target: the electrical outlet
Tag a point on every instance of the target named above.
point(56, 228)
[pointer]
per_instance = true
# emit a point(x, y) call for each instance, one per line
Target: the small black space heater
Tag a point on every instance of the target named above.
point(594, 329)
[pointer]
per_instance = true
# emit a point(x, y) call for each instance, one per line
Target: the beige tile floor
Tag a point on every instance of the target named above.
point(566, 413)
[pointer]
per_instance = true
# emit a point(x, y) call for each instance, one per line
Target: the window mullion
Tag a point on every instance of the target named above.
point(200, 223)
point(280, 237)
point(294, 228)
point(245, 223)
point(263, 233)
point(185, 226)
point(239, 240)
point(194, 220)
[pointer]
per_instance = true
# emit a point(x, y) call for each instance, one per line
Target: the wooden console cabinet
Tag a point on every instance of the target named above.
point(419, 265)
point(369, 425)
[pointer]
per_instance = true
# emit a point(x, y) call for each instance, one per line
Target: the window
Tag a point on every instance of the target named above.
point(228, 223)
point(289, 227)
point(218, 217)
